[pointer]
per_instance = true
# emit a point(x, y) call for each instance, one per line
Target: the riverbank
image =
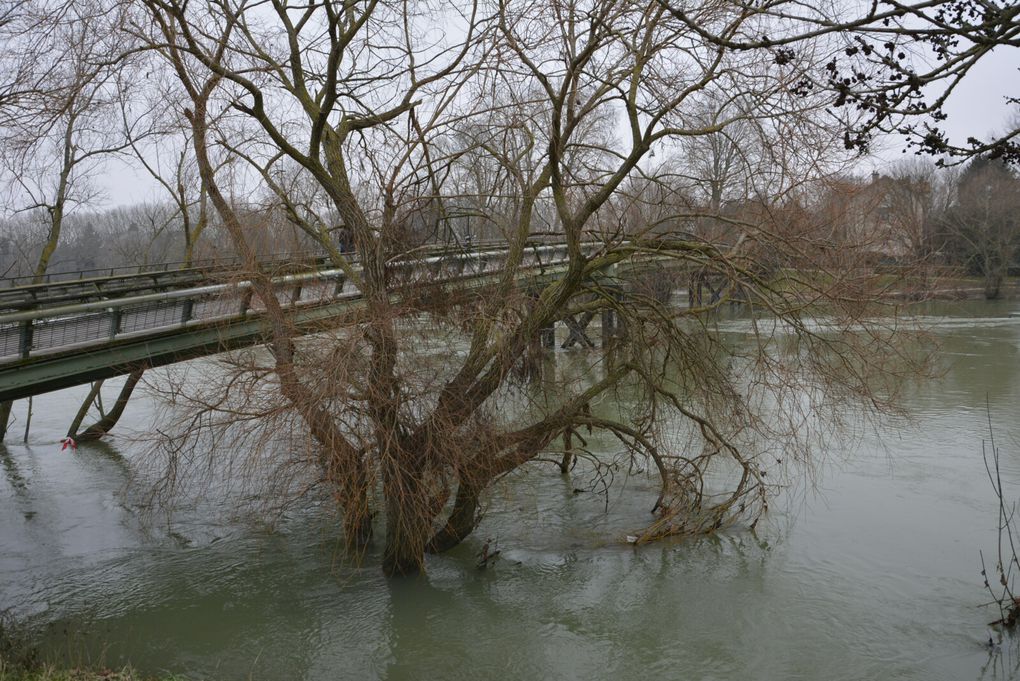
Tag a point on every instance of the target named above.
point(49, 673)
point(21, 660)
point(953, 288)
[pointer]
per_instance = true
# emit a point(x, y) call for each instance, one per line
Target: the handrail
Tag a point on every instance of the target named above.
point(195, 292)
point(211, 289)
point(42, 293)
point(145, 269)
point(24, 324)
point(33, 295)
point(173, 266)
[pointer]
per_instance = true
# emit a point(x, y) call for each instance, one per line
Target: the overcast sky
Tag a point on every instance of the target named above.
point(978, 106)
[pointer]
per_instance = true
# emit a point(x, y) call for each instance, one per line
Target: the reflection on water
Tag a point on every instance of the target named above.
point(867, 570)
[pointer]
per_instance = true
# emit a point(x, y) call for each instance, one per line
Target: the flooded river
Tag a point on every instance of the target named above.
point(868, 568)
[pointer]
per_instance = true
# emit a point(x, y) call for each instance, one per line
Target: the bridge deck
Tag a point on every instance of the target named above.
point(48, 348)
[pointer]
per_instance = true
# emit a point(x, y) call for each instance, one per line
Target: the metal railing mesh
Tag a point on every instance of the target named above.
point(129, 317)
point(10, 340)
point(213, 308)
point(151, 316)
point(50, 333)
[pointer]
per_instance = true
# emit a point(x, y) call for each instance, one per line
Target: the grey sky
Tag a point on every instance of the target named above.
point(978, 105)
point(976, 108)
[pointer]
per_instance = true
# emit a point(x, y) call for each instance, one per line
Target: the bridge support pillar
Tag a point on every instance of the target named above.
point(614, 326)
point(187, 310)
point(245, 301)
point(576, 328)
point(702, 291)
point(547, 336)
point(608, 326)
point(115, 316)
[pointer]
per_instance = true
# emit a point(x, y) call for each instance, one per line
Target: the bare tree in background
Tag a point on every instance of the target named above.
point(53, 148)
point(27, 61)
point(161, 144)
point(983, 224)
point(63, 129)
point(915, 196)
point(916, 193)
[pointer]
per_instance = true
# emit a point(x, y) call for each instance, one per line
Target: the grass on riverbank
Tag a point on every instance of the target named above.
point(50, 673)
point(20, 660)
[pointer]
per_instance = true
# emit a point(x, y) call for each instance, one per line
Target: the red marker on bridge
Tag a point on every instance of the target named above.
point(69, 442)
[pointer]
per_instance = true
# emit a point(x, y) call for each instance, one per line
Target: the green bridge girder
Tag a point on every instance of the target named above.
point(60, 369)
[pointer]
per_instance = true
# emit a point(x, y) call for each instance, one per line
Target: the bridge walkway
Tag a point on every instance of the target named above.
point(52, 345)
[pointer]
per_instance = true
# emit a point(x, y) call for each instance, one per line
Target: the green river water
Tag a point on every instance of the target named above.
point(868, 568)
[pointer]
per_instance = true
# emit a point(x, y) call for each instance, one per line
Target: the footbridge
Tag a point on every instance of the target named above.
point(69, 331)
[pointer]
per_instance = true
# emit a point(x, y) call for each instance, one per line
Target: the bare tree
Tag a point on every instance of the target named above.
point(29, 59)
point(983, 224)
point(53, 149)
point(60, 133)
point(915, 194)
point(161, 144)
point(390, 123)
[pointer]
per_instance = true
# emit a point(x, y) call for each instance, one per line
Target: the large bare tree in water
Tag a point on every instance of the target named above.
point(411, 117)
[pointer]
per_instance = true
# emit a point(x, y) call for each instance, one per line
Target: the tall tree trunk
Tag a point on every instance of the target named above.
point(5, 418)
point(408, 517)
point(568, 452)
point(341, 460)
point(107, 422)
point(192, 233)
point(83, 410)
point(56, 210)
point(411, 507)
point(461, 522)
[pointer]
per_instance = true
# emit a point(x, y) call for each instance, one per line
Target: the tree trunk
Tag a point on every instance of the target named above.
point(568, 452)
point(352, 491)
point(408, 521)
point(83, 410)
point(107, 422)
point(56, 210)
point(462, 520)
point(993, 284)
point(357, 526)
point(341, 460)
point(5, 418)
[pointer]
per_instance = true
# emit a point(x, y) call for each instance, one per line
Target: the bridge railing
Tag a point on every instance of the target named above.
point(23, 293)
point(30, 295)
point(149, 269)
point(39, 331)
